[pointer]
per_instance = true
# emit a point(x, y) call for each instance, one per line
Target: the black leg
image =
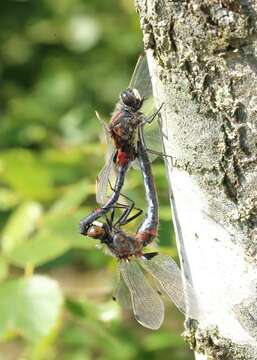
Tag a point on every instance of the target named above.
point(125, 214)
point(128, 220)
point(110, 220)
point(152, 117)
point(158, 153)
point(124, 218)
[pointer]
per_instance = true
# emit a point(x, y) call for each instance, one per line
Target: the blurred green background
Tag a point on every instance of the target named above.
point(60, 61)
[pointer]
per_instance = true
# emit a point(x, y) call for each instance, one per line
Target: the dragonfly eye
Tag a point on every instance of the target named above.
point(129, 98)
point(96, 232)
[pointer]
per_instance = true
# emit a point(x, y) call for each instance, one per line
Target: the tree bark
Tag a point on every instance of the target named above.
point(202, 59)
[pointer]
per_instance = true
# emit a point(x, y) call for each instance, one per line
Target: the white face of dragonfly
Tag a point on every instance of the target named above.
point(137, 95)
point(96, 230)
point(134, 289)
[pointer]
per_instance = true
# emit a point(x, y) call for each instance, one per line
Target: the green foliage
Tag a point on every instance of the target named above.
point(60, 61)
point(29, 307)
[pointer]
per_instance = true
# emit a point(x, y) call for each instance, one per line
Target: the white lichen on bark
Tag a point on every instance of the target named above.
point(202, 57)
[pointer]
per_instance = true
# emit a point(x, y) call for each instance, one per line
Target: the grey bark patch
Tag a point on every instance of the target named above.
point(211, 344)
point(247, 315)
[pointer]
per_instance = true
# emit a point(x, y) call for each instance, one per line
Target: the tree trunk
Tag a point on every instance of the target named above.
point(202, 59)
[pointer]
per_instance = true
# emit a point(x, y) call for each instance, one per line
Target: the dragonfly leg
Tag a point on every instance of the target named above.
point(129, 219)
point(110, 220)
point(158, 153)
point(125, 219)
point(152, 117)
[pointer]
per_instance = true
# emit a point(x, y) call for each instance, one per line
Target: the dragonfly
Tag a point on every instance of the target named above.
point(131, 114)
point(143, 278)
point(135, 289)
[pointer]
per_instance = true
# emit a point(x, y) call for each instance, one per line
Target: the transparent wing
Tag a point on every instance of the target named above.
point(152, 136)
point(147, 305)
point(105, 129)
point(121, 294)
point(106, 176)
point(108, 173)
point(167, 273)
point(152, 141)
point(141, 79)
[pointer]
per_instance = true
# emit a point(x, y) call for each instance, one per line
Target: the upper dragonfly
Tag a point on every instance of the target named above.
point(132, 112)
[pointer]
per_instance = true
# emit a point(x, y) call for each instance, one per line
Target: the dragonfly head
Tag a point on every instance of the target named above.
point(131, 99)
point(98, 231)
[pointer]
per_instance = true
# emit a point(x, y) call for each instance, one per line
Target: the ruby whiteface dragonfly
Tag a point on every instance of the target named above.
point(144, 278)
point(131, 113)
point(135, 108)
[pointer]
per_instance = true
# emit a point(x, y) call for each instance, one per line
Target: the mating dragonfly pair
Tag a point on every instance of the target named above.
point(136, 289)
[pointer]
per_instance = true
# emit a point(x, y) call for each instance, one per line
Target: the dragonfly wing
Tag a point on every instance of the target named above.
point(152, 141)
point(103, 179)
point(141, 79)
point(121, 294)
point(167, 273)
point(105, 127)
point(147, 305)
point(152, 136)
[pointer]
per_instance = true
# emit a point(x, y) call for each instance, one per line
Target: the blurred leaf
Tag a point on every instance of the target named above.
point(20, 225)
point(22, 171)
point(56, 88)
point(72, 198)
point(39, 249)
point(66, 226)
point(82, 32)
point(162, 339)
point(3, 268)
point(111, 346)
point(29, 307)
point(58, 233)
point(8, 199)
point(165, 213)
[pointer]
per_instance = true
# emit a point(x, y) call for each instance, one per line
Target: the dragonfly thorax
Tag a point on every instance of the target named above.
point(124, 246)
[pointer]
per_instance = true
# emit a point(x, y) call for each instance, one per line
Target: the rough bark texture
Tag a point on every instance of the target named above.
point(202, 55)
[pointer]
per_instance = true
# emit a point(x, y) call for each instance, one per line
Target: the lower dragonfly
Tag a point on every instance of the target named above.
point(134, 287)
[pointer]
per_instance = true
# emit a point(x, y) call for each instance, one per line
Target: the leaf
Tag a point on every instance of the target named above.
point(72, 198)
point(163, 339)
point(43, 247)
point(66, 226)
point(29, 307)
point(58, 234)
point(20, 225)
point(3, 268)
point(8, 199)
point(24, 172)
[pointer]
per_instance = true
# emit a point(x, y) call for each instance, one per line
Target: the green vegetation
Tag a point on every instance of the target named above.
point(60, 61)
